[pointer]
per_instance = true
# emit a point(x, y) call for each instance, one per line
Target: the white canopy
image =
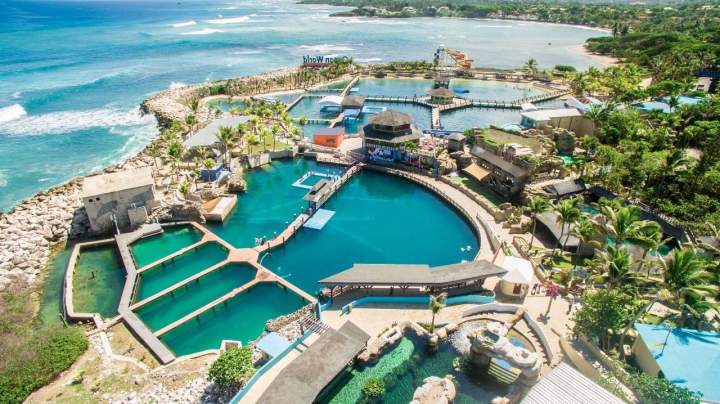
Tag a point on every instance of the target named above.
point(331, 100)
point(518, 270)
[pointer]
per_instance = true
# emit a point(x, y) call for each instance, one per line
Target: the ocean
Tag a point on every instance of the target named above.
point(72, 73)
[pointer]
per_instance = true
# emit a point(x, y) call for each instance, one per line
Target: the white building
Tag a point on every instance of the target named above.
point(128, 195)
point(533, 119)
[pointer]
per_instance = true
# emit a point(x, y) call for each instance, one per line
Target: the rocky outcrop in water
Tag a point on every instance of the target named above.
point(236, 182)
point(435, 390)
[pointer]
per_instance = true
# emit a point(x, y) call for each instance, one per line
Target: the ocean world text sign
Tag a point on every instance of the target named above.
point(317, 61)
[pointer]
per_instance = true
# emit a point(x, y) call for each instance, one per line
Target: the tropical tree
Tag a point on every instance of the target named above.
point(184, 188)
point(613, 266)
point(685, 277)
point(624, 224)
point(191, 121)
point(154, 150)
point(649, 238)
point(536, 206)
point(531, 66)
point(568, 213)
point(227, 137)
point(436, 304)
point(175, 152)
point(586, 231)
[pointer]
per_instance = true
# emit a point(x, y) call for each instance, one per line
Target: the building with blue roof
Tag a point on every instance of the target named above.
point(687, 358)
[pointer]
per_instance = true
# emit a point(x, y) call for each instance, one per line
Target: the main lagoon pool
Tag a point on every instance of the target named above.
point(378, 219)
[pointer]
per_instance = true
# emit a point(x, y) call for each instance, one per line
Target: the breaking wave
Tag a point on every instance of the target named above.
point(204, 31)
point(232, 20)
point(55, 123)
point(11, 113)
point(326, 48)
point(183, 24)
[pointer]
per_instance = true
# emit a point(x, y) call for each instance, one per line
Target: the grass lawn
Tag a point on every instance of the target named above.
point(279, 145)
point(481, 189)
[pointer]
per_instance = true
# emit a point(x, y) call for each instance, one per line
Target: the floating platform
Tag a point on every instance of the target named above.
point(218, 209)
point(319, 219)
point(300, 182)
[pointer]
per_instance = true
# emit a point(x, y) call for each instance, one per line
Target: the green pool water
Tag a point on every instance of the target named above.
point(195, 295)
point(309, 107)
point(98, 281)
point(242, 318)
point(173, 238)
point(495, 90)
point(394, 87)
point(378, 219)
point(403, 370)
point(226, 105)
point(270, 203)
point(182, 267)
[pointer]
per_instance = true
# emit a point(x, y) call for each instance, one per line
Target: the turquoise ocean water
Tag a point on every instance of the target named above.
point(72, 73)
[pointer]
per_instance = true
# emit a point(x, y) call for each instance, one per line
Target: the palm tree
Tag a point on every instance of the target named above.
point(536, 206)
point(614, 266)
point(586, 231)
point(154, 151)
point(691, 285)
point(649, 238)
point(184, 188)
point(436, 304)
point(532, 66)
point(191, 121)
point(624, 224)
point(568, 213)
point(226, 136)
point(175, 151)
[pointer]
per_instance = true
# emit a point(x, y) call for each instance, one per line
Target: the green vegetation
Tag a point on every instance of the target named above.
point(373, 388)
point(33, 355)
point(654, 390)
point(233, 367)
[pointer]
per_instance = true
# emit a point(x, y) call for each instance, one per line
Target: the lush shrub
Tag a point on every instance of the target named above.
point(654, 390)
point(233, 367)
point(38, 359)
point(565, 68)
point(374, 388)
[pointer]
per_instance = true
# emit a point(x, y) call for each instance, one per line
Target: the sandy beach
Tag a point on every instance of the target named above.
point(602, 59)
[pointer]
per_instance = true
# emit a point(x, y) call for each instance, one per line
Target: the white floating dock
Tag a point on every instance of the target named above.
point(299, 182)
point(319, 219)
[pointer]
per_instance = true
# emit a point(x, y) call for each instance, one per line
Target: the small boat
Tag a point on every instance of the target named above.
point(460, 90)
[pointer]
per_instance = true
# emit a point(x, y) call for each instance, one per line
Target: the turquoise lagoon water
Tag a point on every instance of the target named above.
point(403, 369)
point(78, 70)
point(378, 219)
point(270, 204)
point(195, 295)
point(181, 267)
point(150, 249)
point(465, 118)
point(242, 318)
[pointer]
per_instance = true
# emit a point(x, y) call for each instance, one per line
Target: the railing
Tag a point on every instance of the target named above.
point(267, 366)
point(424, 300)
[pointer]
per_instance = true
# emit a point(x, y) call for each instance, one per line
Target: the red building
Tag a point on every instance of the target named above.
point(329, 137)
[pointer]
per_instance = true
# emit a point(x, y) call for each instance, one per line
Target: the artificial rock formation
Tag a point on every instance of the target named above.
point(435, 390)
point(490, 341)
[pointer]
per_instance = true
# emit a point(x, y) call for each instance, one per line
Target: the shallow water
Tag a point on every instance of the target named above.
point(98, 281)
point(241, 318)
point(150, 249)
point(195, 295)
point(78, 70)
point(181, 267)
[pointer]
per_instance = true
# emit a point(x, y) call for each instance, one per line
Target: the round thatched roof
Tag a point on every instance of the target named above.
point(391, 118)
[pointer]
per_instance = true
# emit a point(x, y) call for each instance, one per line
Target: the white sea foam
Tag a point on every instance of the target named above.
point(56, 123)
point(368, 60)
point(204, 31)
point(11, 113)
point(183, 24)
point(228, 8)
point(232, 20)
point(16, 94)
point(176, 84)
point(326, 48)
point(246, 52)
point(3, 178)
